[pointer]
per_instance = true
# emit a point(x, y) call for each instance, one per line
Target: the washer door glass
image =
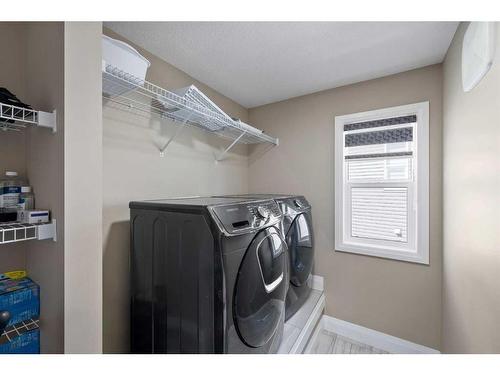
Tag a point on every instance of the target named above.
point(259, 293)
point(300, 247)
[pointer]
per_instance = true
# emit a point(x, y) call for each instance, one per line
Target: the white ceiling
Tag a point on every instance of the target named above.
point(256, 63)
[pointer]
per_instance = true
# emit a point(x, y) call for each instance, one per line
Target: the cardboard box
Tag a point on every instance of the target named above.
point(33, 216)
point(21, 338)
point(21, 298)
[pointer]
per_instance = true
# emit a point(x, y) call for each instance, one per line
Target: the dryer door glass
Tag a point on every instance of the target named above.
point(300, 247)
point(259, 294)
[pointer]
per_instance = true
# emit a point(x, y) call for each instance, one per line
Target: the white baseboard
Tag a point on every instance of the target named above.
point(317, 282)
point(374, 338)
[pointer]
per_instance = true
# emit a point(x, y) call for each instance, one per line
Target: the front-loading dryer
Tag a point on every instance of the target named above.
point(208, 275)
point(298, 231)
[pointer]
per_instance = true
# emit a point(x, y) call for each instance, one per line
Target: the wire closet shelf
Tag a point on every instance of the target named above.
point(143, 97)
point(18, 232)
point(17, 118)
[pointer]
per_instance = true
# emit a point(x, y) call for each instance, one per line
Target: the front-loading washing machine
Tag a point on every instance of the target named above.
point(208, 275)
point(298, 231)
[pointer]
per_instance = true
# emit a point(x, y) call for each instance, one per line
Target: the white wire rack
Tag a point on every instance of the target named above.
point(142, 96)
point(17, 118)
point(17, 232)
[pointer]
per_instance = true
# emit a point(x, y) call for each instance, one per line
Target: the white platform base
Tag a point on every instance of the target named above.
point(367, 336)
point(300, 327)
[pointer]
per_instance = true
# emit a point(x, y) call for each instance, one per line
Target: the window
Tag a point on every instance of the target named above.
point(382, 183)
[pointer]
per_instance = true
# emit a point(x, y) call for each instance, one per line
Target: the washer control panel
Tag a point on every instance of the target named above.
point(247, 216)
point(263, 212)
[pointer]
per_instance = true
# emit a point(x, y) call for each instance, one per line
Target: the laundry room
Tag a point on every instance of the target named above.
point(249, 186)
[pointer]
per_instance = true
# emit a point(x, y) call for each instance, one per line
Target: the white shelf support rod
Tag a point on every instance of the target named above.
point(221, 156)
point(177, 132)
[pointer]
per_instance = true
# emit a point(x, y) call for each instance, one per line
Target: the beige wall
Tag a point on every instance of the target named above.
point(398, 298)
point(33, 71)
point(45, 165)
point(13, 144)
point(83, 187)
point(133, 170)
point(471, 190)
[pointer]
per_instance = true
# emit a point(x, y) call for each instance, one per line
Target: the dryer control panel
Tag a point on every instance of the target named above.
point(293, 205)
point(246, 216)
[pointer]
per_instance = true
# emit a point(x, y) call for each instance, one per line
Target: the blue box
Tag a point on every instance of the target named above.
point(25, 343)
point(21, 298)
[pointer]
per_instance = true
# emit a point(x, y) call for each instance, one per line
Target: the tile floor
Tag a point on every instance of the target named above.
point(331, 343)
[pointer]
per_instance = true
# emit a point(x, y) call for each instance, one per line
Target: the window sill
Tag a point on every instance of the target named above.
point(405, 256)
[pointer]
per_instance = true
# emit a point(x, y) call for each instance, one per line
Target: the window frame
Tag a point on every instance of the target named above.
point(417, 249)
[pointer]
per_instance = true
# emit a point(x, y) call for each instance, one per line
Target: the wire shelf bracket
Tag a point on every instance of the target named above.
point(177, 132)
point(221, 156)
point(48, 120)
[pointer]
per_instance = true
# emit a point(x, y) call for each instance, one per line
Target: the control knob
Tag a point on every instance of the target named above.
point(298, 203)
point(263, 212)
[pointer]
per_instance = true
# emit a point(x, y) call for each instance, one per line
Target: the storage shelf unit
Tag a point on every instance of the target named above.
point(17, 118)
point(17, 232)
point(141, 96)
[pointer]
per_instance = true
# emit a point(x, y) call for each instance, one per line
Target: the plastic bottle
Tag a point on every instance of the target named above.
point(26, 199)
point(10, 190)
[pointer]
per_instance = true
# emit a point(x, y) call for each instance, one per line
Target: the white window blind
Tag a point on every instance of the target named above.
point(380, 213)
point(377, 182)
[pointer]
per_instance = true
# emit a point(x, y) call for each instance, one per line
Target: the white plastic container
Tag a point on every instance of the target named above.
point(126, 58)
